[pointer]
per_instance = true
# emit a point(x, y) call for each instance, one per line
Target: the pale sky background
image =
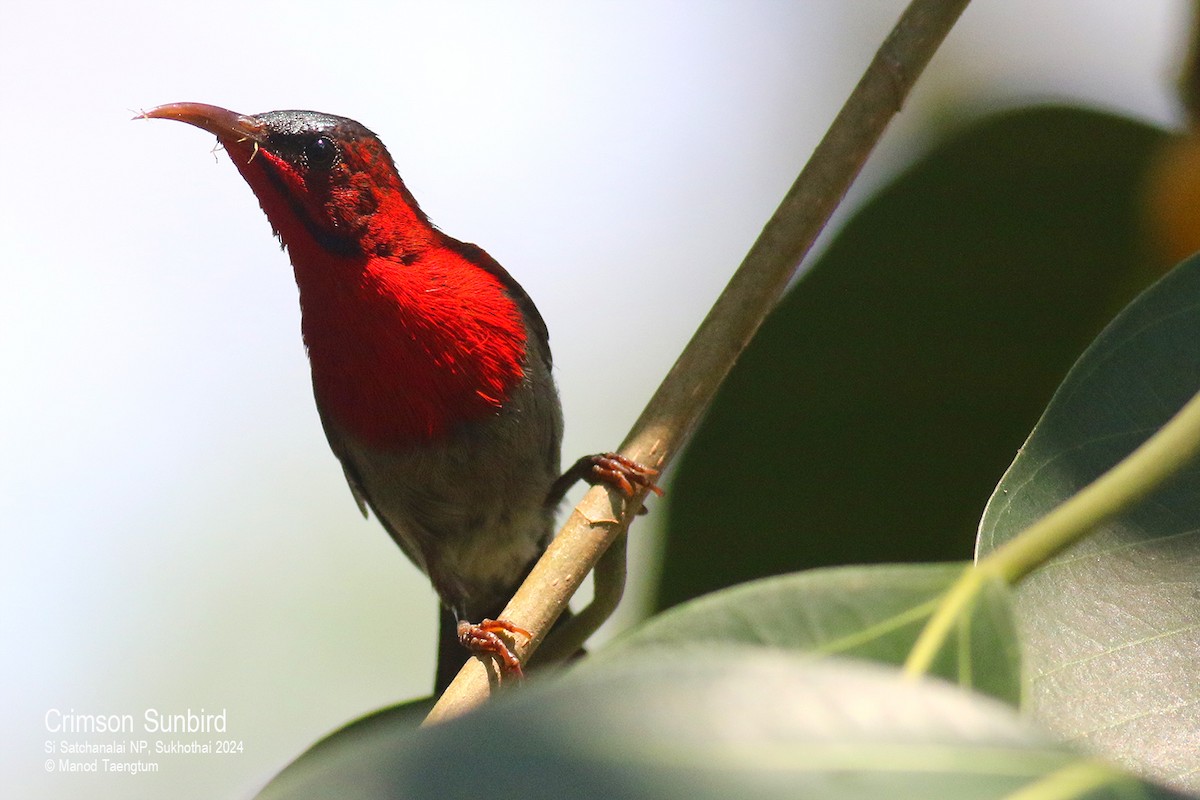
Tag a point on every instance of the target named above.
point(176, 533)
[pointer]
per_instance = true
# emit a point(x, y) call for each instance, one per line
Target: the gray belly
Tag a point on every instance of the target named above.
point(470, 510)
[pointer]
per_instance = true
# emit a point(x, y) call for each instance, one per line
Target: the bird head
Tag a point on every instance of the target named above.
point(317, 176)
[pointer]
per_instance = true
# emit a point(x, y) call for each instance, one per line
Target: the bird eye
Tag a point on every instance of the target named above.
point(320, 152)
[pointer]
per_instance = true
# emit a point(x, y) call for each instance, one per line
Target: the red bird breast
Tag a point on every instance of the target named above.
point(403, 352)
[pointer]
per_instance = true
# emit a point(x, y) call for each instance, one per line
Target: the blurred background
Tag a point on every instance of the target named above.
point(176, 532)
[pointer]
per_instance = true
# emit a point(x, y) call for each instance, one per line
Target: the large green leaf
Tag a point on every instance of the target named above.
point(743, 723)
point(871, 417)
point(1111, 628)
point(872, 612)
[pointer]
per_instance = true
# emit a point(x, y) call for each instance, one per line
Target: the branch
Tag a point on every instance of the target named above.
point(1189, 77)
point(676, 408)
point(1154, 462)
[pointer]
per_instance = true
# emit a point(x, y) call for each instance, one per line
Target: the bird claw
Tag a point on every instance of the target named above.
point(623, 474)
point(482, 639)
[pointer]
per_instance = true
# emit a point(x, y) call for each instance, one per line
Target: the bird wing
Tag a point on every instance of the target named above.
point(335, 444)
point(478, 256)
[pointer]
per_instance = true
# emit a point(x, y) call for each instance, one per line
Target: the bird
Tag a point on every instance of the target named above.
point(431, 367)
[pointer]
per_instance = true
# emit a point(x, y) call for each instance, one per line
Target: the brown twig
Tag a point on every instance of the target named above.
point(1189, 76)
point(688, 388)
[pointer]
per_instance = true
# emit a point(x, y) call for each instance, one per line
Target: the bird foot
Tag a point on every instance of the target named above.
point(482, 639)
point(622, 473)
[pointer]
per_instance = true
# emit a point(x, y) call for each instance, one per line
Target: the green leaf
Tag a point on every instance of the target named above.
point(880, 403)
point(1111, 628)
point(743, 723)
point(872, 613)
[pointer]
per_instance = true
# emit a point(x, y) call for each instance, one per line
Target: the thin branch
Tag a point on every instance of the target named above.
point(1189, 76)
point(1157, 460)
point(685, 393)
point(1077, 779)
